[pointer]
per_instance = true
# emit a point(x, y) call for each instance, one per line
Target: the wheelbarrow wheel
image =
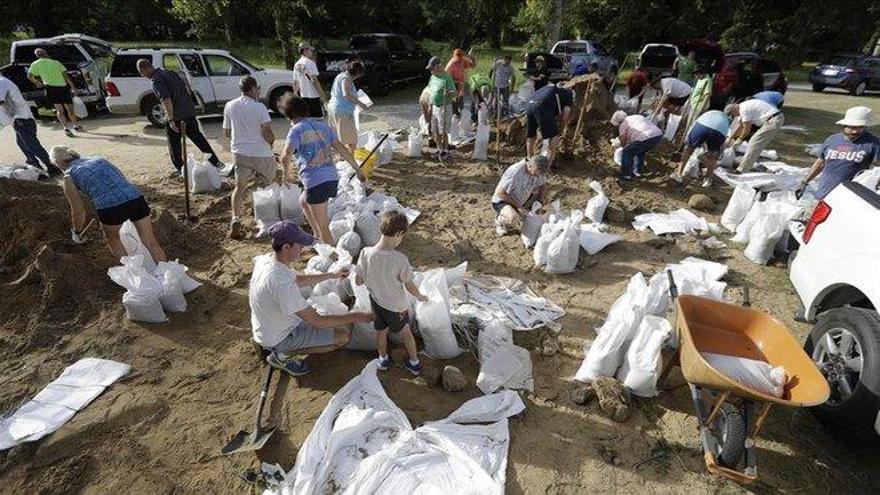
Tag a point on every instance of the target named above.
point(729, 430)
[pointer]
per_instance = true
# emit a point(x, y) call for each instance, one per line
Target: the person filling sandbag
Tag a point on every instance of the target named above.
point(282, 321)
point(710, 130)
point(389, 279)
point(114, 198)
point(638, 136)
point(550, 110)
point(674, 94)
point(754, 113)
point(522, 184)
point(343, 102)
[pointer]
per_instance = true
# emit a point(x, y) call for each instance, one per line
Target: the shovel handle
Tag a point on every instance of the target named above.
point(262, 400)
point(373, 151)
point(673, 289)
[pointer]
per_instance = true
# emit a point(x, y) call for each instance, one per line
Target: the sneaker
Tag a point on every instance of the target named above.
point(384, 364)
point(415, 369)
point(293, 367)
point(638, 175)
point(235, 229)
point(677, 178)
point(707, 182)
point(78, 128)
point(68, 132)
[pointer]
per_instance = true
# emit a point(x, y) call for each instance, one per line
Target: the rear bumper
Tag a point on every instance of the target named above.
point(839, 81)
point(120, 106)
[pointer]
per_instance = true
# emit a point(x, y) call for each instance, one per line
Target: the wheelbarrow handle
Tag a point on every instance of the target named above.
point(373, 151)
point(673, 289)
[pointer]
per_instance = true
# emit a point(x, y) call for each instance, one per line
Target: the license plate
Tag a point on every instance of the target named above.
point(829, 72)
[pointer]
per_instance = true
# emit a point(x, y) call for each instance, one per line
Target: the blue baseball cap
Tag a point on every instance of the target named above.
point(287, 232)
point(433, 61)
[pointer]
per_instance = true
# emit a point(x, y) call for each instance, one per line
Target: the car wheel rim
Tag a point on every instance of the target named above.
point(860, 89)
point(839, 357)
point(158, 113)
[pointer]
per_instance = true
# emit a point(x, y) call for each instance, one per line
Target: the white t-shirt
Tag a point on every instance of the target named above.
point(675, 88)
point(384, 272)
point(14, 106)
point(756, 111)
point(303, 67)
point(245, 117)
point(519, 183)
point(274, 299)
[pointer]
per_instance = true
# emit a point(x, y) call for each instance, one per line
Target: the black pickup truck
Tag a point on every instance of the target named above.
point(388, 59)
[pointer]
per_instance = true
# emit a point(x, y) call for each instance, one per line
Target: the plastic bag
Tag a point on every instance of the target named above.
point(482, 116)
point(531, 227)
point(363, 335)
point(178, 270)
point(563, 251)
point(368, 227)
point(414, 144)
point(288, 198)
point(435, 325)
point(738, 207)
point(757, 375)
point(453, 131)
point(141, 299)
point(549, 231)
point(204, 177)
point(20, 172)
point(342, 224)
point(349, 242)
point(172, 297)
point(502, 364)
point(672, 123)
point(744, 229)
point(641, 369)
point(764, 236)
point(464, 123)
point(596, 206)
point(423, 126)
point(692, 167)
point(80, 108)
point(386, 151)
point(267, 208)
point(147, 309)
point(327, 304)
point(131, 241)
point(618, 156)
point(321, 262)
point(728, 158)
point(592, 240)
point(869, 178)
point(481, 143)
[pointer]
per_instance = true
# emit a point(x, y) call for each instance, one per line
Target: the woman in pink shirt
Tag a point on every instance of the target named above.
point(638, 136)
point(457, 67)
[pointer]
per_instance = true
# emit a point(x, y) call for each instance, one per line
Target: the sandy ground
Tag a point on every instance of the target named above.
point(195, 378)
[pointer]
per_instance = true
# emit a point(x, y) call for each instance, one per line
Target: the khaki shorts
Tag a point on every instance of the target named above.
point(344, 125)
point(247, 167)
point(437, 114)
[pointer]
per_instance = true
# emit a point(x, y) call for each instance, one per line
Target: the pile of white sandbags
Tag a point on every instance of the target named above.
point(149, 294)
point(21, 172)
point(275, 203)
point(561, 235)
point(203, 177)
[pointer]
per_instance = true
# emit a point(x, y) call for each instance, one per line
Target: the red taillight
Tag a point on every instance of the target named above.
point(820, 214)
point(112, 90)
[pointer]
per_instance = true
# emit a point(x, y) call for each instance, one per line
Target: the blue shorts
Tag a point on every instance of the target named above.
point(701, 134)
point(322, 192)
point(305, 337)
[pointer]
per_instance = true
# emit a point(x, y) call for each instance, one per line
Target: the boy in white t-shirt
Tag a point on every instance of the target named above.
point(389, 277)
point(305, 80)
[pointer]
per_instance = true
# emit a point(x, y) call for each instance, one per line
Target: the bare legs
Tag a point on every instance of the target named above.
point(318, 219)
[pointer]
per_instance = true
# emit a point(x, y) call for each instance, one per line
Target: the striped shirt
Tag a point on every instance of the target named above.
point(312, 141)
point(102, 182)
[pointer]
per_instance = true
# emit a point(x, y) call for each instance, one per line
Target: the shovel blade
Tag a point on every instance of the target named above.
point(246, 442)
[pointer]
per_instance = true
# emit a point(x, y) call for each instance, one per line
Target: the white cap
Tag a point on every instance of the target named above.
point(857, 117)
point(617, 118)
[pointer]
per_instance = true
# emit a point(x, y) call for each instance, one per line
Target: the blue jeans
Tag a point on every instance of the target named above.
point(26, 138)
point(633, 158)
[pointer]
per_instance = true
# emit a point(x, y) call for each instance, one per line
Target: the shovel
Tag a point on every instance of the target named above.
point(246, 442)
point(373, 151)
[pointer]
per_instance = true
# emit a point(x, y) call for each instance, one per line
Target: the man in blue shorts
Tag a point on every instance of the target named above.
point(546, 108)
point(710, 130)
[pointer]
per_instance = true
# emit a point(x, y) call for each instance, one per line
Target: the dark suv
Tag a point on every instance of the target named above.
point(388, 59)
point(854, 73)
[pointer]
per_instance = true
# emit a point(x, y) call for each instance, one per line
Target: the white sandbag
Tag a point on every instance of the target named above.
point(386, 151)
point(764, 236)
point(20, 172)
point(563, 252)
point(869, 178)
point(517, 106)
point(141, 299)
point(322, 262)
point(502, 364)
point(757, 375)
point(172, 298)
point(744, 229)
point(738, 207)
point(204, 177)
point(728, 158)
point(325, 288)
point(131, 241)
point(413, 144)
point(531, 227)
point(423, 126)
point(368, 227)
point(454, 130)
point(549, 231)
point(343, 261)
point(327, 304)
point(618, 155)
point(267, 208)
point(144, 308)
point(187, 283)
point(435, 325)
point(343, 224)
point(671, 126)
point(593, 240)
point(481, 143)
point(641, 369)
point(482, 116)
point(526, 90)
point(288, 198)
point(596, 206)
point(80, 108)
point(464, 123)
point(363, 334)
point(692, 167)
point(350, 242)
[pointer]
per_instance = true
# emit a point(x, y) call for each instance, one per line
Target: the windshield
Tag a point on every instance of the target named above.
point(660, 51)
point(577, 47)
point(365, 43)
point(66, 54)
point(841, 61)
point(245, 62)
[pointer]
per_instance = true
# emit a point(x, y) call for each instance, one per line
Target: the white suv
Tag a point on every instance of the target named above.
point(213, 76)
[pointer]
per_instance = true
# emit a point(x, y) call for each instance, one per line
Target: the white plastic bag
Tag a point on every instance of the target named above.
point(143, 290)
point(414, 144)
point(178, 271)
point(618, 156)
point(744, 229)
point(363, 334)
point(145, 308)
point(267, 208)
point(172, 297)
point(549, 231)
point(563, 251)
point(692, 167)
point(368, 226)
point(738, 207)
point(641, 369)
point(80, 108)
point(526, 90)
point(481, 143)
point(327, 304)
point(343, 224)
point(423, 126)
point(131, 241)
point(464, 123)
point(531, 227)
point(502, 364)
point(386, 151)
point(433, 317)
point(728, 158)
point(322, 262)
point(593, 240)
point(869, 178)
point(288, 197)
point(672, 123)
point(482, 116)
point(764, 236)
point(596, 206)
point(204, 176)
point(350, 242)
point(757, 375)
point(453, 131)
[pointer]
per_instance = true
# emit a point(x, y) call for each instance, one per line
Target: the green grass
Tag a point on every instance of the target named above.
point(261, 52)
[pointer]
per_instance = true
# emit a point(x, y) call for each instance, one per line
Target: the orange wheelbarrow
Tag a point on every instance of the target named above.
point(731, 414)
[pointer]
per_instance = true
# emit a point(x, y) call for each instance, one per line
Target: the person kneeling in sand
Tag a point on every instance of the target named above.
point(114, 198)
point(282, 321)
point(389, 277)
point(522, 184)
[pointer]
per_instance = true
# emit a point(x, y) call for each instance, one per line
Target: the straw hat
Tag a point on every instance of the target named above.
point(857, 117)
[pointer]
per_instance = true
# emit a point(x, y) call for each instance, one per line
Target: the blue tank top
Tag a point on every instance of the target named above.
point(338, 103)
point(102, 182)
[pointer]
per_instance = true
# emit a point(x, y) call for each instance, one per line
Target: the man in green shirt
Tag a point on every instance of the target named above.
point(443, 94)
point(686, 66)
point(51, 74)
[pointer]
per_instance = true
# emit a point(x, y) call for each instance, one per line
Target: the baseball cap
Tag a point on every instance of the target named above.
point(305, 46)
point(432, 62)
point(287, 232)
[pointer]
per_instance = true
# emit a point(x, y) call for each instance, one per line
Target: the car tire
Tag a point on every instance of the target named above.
point(381, 82)
point(852, 416)
point(818, 88)
point(859, 89)
point(152, 109)
point(275, 97)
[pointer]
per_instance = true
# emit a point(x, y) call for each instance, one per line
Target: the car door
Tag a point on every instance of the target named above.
point(200, 86)
point(399, 59)
point(224, 73)
point(414, 64)
point(874, 73)
point(198, 77)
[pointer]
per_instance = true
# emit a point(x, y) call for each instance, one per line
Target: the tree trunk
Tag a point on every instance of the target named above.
point(554, 25)
point(283, 34)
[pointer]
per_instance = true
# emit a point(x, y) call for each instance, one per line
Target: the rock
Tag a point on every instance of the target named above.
point(701, 202)
point(550, 344)
point(453, 379)
point(432, 375)
point(465, 250)
point(581, 393)
point(614, 214)
point(612, 398)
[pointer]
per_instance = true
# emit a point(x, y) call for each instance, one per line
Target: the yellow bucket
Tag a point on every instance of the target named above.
point(360, 154)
